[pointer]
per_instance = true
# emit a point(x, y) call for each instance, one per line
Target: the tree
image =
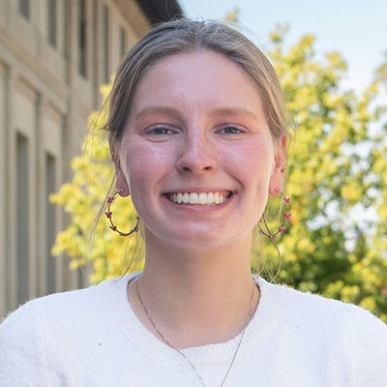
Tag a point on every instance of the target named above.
point(336, 178)
point(337, 160)
point(108, 254)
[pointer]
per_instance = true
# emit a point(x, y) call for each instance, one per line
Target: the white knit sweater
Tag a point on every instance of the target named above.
point(92, 338)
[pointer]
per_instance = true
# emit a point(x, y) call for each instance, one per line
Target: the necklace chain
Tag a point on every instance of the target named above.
point(166, 341)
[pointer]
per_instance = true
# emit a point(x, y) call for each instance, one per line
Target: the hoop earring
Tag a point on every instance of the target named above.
point(266, 231)
point(109, 215)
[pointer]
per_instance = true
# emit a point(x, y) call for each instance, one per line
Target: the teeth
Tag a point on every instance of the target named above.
point(193, 198)
point(217, 198)
point(204, 199)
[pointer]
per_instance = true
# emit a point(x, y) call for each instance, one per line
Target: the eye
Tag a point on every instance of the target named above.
point(231, 129)
point(160, 131)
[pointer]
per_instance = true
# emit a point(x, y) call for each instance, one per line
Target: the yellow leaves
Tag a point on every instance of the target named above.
point(336, 60)
point(278, 34)
point(232, 16)
point(337, 171)
point(368, 303)
point(82, 199)
point(275, 37)
point(302, 51)
point(350, 192)
point(350, 293)
point(105, 91)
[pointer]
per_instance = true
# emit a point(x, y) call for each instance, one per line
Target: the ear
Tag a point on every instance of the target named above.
point(122, 186)
point(277, 177)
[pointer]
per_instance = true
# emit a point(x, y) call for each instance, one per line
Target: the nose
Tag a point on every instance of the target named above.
point(197, 154)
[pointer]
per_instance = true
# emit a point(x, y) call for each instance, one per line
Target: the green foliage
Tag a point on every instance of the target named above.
point(337, 242)
point(337, 165)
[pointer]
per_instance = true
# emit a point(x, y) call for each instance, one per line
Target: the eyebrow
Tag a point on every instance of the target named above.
point(156, 110)
point(222, 111)
point(234, 111)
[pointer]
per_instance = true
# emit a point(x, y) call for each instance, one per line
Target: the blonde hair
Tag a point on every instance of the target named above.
point(182, 36)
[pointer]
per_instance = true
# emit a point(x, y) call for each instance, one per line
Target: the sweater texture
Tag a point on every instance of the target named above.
point(92, 337)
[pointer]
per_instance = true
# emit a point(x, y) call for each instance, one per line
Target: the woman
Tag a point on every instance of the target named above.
point(198, 140)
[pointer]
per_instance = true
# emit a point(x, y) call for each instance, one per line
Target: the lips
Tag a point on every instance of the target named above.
point(202, 198)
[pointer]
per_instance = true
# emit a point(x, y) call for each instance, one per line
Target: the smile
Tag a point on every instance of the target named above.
point(203, 199)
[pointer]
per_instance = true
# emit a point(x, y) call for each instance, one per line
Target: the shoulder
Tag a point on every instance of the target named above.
point(311, 304)
point(43, 334)
point(315, 308)
point(63, 314)
point(345, 331)
point(66, 305)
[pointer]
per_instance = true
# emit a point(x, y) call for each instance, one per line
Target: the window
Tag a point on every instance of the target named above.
point(106, 64)
point(122, 41)
point(24, 8)
point(50, 224)
point(52, 21)
point(82, 41)
point(23, 232)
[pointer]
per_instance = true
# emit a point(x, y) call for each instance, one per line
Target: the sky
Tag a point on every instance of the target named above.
point(355, 28)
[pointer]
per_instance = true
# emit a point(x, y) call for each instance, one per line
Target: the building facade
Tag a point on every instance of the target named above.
point(54, 55)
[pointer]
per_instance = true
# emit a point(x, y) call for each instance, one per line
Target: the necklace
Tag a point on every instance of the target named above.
point(166, 341)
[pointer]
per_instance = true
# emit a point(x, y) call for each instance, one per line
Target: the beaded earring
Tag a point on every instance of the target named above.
point(109, 214)
point(286, 216)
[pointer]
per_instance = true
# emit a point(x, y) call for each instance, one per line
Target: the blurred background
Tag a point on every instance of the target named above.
point(357, 29)
point(57, 59)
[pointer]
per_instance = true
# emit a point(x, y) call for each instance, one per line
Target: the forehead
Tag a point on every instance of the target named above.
point(198, 78)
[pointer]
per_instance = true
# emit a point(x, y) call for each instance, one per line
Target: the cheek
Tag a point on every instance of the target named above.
point(256, 161)
point(145, 165)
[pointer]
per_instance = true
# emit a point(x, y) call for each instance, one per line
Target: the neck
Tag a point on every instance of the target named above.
point(196, 297)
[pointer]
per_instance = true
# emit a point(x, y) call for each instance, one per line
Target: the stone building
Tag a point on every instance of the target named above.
point(54, 54)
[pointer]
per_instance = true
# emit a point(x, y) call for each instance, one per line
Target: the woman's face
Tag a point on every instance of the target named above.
point(197, 155)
